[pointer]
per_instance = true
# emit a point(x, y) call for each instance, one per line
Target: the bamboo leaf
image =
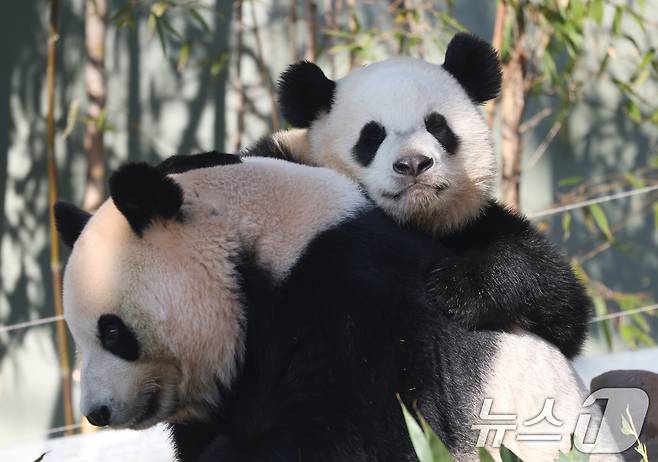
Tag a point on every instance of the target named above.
point(160, 31)
point(508, 456)
point(633, 111)
point(439, 451)
point(601, 220)
point(570, 181)
point(71, 117)
point(484, 455)
point(566, 226)
point(596, 11)
point(183, 56)
point(417, 436)
point(159, 9)
point(634, 181)
point(616, 20)
point(199, 19)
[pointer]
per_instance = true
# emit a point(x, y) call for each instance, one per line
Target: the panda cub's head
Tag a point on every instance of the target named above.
point(411, 132)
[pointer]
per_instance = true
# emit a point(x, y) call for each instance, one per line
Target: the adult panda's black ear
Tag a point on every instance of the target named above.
point(475, 65)
point(70, 221)
point(304, 93)
point(142, 192)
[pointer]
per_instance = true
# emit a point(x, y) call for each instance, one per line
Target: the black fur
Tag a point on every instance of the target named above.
point(117, 338)
point(70, 221)
point(371, 137)
point(142, 192)
point(304, 93)
point(503, 272)
point(475, 65)
point(182, 163)
point(267, 147)
point(438, 127)
point(328, 349)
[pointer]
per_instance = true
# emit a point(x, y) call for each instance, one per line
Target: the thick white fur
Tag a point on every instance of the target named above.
point(399, 93)
point(176, 287)
point(525, 373)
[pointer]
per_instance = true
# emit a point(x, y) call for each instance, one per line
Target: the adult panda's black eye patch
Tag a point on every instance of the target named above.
point(117, 338)
point(371, 137)
point(438, 127)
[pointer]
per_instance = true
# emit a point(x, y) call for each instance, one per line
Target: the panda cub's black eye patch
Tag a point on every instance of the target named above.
point(117, 338)
point(438, 127)
point(371, 137)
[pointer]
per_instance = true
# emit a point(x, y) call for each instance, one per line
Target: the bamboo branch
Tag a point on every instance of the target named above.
point(264, 75)
point(239, 87)
point(496, 42)
point(55, 264)
point(311, 20)
point(95, 26)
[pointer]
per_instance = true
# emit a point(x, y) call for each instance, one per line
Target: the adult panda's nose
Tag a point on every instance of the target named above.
point(413, 165)
point(100, 416)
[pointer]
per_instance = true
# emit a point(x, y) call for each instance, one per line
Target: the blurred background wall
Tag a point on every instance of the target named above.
point(179, 81)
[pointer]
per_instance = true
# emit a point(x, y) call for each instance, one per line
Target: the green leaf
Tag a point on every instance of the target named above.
point(71, 117)
point(219, 63)
point(508, 456)
point(626, 333)
point(596, 11)
point(417, 436)
point(202, 22)
point(633, 111)
point(601, 220)
point(439, 451)
point(157, 23)
point(616, 20)
point(566, 226)
point(159, 8)
point(167, 25)
point(655, 215)
point(484, 455)
point(634, 181)
point(183, 56)
point(570, 181)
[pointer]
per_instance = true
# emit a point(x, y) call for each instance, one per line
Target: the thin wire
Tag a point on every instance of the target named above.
point(621, 314)
point(26, 324)
point(598, 200)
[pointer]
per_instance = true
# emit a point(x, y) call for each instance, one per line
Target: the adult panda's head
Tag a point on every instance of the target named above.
point(411, 132)
point(152, 287)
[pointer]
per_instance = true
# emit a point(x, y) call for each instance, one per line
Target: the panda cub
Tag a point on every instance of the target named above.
point(269, 311)
point(412, 134)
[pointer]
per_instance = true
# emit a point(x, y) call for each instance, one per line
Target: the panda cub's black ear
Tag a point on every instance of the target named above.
point(475, 65)
point(304, 93)
point(70, 221)
point(142, 192)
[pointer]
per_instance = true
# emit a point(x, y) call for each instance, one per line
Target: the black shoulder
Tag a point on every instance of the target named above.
point(180, 163)
point(496, 221)
point(268, 147)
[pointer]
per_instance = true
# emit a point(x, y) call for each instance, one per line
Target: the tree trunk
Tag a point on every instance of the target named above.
point(512, 106)
point(95, 26)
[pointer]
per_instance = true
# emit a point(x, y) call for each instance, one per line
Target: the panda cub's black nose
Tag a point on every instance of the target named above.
point(99, 416)
point(413, 165)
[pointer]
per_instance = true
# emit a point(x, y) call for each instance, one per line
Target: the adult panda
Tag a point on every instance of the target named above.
point(412, 134)
point(269, 311)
